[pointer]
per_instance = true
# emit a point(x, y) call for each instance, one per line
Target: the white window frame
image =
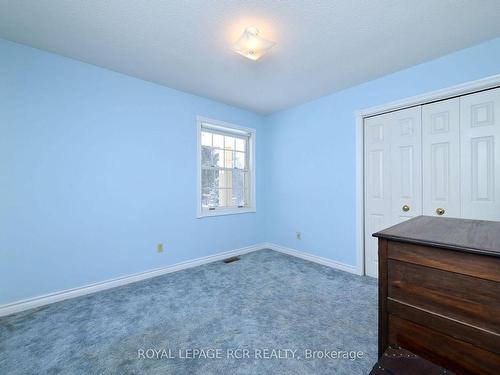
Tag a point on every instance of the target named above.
point(251, 207)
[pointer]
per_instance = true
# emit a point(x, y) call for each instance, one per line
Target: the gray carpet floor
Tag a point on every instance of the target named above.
point(266, 300)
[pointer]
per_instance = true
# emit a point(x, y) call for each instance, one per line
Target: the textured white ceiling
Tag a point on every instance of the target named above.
point(323, 45)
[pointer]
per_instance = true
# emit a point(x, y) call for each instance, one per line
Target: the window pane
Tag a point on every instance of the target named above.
point(229, 179)
point(210, 198)
point(207, 179)
point(218, 158)
point(220, 179)
point(224, 197)
point(217, 178)
point(239, 160)
point(206, 157)
point(238, 197)
point(206, 139)
point(218, 141)
point(240, 144)
point(205, 197)
point(229, 143)
point(229, 159)
point(238, 180)
point(224, 179)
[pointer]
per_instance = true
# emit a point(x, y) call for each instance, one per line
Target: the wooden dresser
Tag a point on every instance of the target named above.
point(439, 292)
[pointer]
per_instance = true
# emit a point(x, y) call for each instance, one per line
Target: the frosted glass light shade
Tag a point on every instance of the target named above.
point(251, 45)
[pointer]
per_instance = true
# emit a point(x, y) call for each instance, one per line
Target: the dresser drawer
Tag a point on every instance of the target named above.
point(464, 298)
point(458, 356)
point(476, 336)
point(480, 266)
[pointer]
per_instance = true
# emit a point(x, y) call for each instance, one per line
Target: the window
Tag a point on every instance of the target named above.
point(225, 168)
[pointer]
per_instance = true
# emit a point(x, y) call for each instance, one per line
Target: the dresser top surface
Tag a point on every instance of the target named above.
point(476, 236)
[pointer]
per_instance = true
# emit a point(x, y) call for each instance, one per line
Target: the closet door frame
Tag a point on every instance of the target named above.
point(447, 93)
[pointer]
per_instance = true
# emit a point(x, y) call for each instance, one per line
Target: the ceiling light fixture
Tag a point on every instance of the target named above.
point(252, 45)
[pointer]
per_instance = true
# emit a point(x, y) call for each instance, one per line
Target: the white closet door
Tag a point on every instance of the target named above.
point(406, 164)
point(377, 185)
point(441, 158)
point(480, 155)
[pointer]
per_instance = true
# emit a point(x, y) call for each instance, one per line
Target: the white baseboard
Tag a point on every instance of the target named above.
point(46, 299)
point(313, 258)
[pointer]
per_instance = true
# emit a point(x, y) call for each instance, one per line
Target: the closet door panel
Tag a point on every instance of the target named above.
point(406, 167)
point(480, 155)
point(441, 158)
point(377, 135)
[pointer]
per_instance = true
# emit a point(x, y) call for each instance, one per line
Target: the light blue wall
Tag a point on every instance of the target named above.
point(310, 152)
point(96, 168)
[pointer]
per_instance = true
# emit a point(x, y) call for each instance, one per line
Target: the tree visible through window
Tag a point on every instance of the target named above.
point(225, 168)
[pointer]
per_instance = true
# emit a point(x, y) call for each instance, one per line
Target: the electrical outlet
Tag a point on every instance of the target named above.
point(159, 248)
point(298, 236)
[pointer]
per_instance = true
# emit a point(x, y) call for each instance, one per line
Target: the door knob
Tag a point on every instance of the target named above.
point(405, 208)
point(440, 211)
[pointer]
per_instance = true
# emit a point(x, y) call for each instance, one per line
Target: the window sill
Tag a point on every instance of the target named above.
point(229, 211)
